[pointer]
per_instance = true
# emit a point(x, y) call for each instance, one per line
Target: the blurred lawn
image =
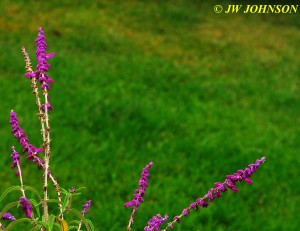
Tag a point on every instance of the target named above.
point(200, 94)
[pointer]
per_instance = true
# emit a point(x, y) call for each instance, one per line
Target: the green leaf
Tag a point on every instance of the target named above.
point(53, 201)
point(58, 226)
point(91, 224)
point(9, 190)
point(64, 204)
point(74, 222)
point(43, 224)
point(77, 191)
point(67, 202)
point(8, 207)
point(73, 227)
point(36, 227)
point(82, 218)
point(12, 224)
point(36, 206)
point(51, 221)
point(64, 191)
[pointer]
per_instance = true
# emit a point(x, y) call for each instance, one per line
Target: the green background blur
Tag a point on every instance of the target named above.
point(198, 93)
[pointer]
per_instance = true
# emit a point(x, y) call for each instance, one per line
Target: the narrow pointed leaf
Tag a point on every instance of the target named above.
point(12, 224)
point(9, 190)
point(81, 217)
point(8, 207)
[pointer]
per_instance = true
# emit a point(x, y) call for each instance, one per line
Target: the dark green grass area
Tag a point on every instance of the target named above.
point(200, 94)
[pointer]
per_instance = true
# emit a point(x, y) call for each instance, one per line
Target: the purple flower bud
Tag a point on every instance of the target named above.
point(249, 181)
point(155, 222)
point(26, 206)
point(231, 185)
point(45, 86)
point(50, 55)
point(202, 203)
point(210, 195)
point(176, 219)
point(194, 205)
point(30, 75)
point(219, 186)
point(49, 107)
point(86, 207)
point(185, 212)
point(8, 216)
point(73, 190)
point(16, 160)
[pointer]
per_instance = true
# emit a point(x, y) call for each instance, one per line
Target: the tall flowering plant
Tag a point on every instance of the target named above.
point(40, 155)
point(48, 219)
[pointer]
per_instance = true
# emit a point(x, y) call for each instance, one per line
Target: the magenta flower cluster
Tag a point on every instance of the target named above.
point(138, 197)
point(86, 207)
point(42, 65)
point(16, 160)
point(8, 216)
point(155, 222)
point(18, 132)
point(26, 207)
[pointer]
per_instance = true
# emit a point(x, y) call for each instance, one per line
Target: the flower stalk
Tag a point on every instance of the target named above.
point(16, 163)
point(41, 76)
point(85, 210)
point(219, 188)
point(138, 197)
point(44, 119)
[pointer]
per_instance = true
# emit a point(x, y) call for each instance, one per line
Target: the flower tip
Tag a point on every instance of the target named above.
point(73, 190)
point(86, 207)
point(248, 181)
point(50, 55)
point(263, 159)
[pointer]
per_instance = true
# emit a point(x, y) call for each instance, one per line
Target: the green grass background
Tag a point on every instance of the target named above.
point(200, 94)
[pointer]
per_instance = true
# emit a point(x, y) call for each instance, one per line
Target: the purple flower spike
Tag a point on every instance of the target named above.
point(26, 206)
point(86, 207)
point(42, 63)
point(138, 197)
point(18, 132)
point(8, 216)
point(155, 222)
